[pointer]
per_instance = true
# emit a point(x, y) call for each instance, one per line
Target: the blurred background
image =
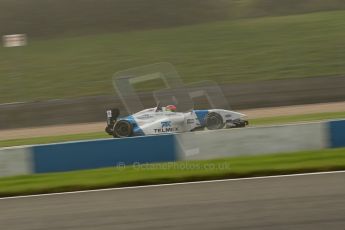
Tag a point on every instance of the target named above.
point(262, 52)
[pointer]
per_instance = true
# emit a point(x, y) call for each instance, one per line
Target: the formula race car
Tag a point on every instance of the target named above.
point(160, 120)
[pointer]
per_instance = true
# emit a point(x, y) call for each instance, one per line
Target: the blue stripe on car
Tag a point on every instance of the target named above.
point(137, 131)
point(201, 115)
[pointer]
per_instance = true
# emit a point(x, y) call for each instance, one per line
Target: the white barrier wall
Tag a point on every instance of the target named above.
point(15, 161)
point(252, 141)
point(163, 148)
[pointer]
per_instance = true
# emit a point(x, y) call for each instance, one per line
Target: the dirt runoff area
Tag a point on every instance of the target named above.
point(99, 126)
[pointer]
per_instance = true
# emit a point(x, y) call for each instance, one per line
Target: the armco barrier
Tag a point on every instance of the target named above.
point(15, 161)
point(337, 133)
point(86, 155)
point(103, 153)
point(253, 141)
point(187, 146)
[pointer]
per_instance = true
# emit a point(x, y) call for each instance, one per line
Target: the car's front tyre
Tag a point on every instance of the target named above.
point(123, 128)
point(214, 121)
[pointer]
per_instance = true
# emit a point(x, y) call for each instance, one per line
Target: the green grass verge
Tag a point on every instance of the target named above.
point(245, 166)
point(97, 135)
point(297, 118)
point(254, 49)
point(53, 139)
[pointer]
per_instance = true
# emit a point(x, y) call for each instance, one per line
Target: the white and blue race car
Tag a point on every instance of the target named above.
point(161, 120)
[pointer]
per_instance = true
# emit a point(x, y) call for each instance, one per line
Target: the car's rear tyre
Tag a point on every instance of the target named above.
point(214, 121)
point(123, 129)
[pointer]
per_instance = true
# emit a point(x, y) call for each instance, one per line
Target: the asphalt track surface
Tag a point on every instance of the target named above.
point(309, 201)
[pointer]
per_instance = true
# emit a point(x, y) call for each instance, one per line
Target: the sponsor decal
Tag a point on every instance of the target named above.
point(166, 124)
point(145, 116)
point(166, 128)
point(228, 115)
point(170, 114)
point(190, 121)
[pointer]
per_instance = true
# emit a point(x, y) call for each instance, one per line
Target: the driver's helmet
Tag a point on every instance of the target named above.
point(171, 108)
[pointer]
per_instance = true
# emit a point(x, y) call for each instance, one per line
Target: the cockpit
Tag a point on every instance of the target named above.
point(168, 108)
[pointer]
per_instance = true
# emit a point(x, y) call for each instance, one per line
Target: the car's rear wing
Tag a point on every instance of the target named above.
point(112, 115)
